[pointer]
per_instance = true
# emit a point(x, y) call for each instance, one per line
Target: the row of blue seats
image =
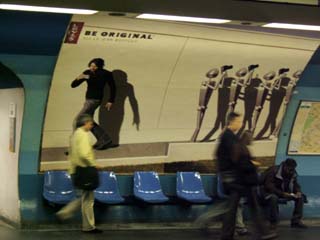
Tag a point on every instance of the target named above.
point(58, 188)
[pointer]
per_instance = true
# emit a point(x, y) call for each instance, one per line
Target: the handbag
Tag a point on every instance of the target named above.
point(86, 178)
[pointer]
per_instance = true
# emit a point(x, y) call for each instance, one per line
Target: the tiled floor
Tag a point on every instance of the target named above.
point(285, 233)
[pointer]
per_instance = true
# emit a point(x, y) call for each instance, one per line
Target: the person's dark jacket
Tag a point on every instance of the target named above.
point(246, 170)
point(273, 183)
point(234, 160)
point(96, 84)
point(226, 150)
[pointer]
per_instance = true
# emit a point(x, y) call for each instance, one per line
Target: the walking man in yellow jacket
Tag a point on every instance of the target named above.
point(81, 154)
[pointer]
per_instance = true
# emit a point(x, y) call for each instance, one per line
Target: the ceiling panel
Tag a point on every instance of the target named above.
point(255, 11)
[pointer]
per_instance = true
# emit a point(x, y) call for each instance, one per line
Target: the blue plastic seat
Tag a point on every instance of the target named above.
point(146, 187)
point(108, 191)
point(57, 187)
point(190, 188)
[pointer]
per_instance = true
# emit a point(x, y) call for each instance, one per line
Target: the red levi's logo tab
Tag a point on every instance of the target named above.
point(73, 33)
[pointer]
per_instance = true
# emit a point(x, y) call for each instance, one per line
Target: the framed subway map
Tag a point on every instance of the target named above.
point(305, 136)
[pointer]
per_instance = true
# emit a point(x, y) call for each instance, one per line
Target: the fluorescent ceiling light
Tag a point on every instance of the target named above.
point(45, 9)
point(293, 26)
point(182, 19)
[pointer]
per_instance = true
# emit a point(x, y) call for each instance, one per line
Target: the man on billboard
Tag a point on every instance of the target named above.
point(96, 78)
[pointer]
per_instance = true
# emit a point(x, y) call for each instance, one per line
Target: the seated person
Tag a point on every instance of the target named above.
point(280, 181)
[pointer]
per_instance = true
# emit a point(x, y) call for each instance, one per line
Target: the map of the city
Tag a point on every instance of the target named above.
point(305, 137)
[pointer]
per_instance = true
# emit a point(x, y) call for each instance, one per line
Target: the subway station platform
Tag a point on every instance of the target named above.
point(8, 233)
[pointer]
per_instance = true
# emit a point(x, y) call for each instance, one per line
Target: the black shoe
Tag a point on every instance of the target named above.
point(95, 145)
point(99, 143)
point(298, 225)
point(102, 145)
point(113, 145)
point(93, 231)
point(105, 146)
